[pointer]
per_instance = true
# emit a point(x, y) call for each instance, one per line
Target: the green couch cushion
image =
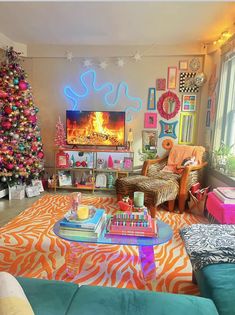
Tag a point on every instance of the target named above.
point(105, 301)
point(48, 297)
point(218, 283)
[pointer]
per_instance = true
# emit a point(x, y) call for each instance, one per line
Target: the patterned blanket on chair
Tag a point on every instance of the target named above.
point(209, 244)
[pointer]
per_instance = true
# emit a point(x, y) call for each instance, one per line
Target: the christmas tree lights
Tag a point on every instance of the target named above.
point(21, 152)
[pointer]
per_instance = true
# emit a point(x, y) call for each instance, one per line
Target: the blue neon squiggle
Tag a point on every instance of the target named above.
point(75, 97)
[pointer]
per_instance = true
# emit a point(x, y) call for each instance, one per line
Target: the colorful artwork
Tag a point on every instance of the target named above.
point(160, 84)
point(183, 64)
point(150, 120)
point(209, 103)
point(152, 99)
point(171, 78)
point(212, 81)
point(168, 129)
point(168, 105)
point(195, 64)
point(187, 128)
point(149, 140)
point(189, 103)
point(128, 163)
point(186, 83)
point(208, 119)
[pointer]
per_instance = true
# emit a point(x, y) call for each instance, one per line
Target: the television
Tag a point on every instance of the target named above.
point(95, 128)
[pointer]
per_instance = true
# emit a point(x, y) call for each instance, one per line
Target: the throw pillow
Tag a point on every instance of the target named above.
point(13, 300)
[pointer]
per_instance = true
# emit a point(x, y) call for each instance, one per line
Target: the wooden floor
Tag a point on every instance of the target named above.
point(11, 208)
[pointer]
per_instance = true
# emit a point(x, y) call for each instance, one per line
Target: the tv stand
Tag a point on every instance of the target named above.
point(95, 169)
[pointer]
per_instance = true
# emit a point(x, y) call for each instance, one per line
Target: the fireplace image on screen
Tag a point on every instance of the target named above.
point(95, 128)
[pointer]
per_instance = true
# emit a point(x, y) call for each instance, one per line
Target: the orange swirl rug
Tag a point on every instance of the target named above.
point(29, 248)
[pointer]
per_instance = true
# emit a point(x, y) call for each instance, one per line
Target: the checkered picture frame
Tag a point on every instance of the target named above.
point(183, 78)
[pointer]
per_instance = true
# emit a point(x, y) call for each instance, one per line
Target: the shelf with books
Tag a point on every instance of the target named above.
point(92, 169)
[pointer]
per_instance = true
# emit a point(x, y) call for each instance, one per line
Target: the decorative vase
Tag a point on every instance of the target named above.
point(110, 162)
point(110, 180)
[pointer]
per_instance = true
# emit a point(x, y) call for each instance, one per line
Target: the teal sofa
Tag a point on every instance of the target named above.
point(49, 297)
point(217, 282)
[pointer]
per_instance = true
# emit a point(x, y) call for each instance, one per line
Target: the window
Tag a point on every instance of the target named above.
point(225, 120)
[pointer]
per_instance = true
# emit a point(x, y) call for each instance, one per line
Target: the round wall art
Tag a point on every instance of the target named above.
point(168, 105)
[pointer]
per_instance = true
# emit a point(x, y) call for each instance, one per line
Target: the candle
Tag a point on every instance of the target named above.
point(138, 199)
point(82, 212)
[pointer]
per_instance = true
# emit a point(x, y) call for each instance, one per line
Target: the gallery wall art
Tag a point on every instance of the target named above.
point(186, 83)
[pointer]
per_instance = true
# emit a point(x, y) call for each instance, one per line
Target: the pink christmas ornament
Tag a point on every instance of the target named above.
point(3, 94)
point(30, 161)
point(23, 85)
point(10, 166)
point(40, 155)
point(32, 119)
point(26, 112)
point(6, 125)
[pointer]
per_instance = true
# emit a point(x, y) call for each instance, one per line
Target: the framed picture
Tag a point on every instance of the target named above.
point(62, 159)
point(209, 104)
point(128, 163)
point(149, 140)
point(150, 120)
point(168, 129)
point(186, 83)
point(189, 103)
point(65, 178)
point(38, 183)
point(152, 99)
point(183, 64)
point(171, 78)
point(187, 128)
point(168, 105)
point(160, 84)
point(208, 118)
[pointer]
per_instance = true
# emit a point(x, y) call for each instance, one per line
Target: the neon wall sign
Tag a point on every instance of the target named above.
point(110, 99)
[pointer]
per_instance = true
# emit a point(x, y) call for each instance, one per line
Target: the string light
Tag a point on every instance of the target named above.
point(224, 36)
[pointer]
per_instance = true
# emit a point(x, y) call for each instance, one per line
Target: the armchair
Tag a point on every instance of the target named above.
point(161, 185)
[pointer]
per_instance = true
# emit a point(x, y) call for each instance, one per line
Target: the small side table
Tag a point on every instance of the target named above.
point(223, 213)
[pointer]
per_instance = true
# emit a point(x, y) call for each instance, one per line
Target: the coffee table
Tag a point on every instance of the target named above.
point(145, 247)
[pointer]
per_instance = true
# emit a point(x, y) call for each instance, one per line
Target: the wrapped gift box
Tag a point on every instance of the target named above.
point(32, 191)
point(16, 192)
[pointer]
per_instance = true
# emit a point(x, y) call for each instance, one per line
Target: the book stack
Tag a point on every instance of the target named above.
point(132, 224)
point(225, 194)
point(90, 228)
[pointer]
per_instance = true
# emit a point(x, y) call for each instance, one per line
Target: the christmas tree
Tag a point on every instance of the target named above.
point(60, 138)
point(21, 153)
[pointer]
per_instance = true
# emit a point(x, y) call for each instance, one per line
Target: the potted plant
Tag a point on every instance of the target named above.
point(147, 155)
point(231, 165)
point(221, 156)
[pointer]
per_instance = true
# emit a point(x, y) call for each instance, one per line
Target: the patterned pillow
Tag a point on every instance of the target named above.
point(13, 301)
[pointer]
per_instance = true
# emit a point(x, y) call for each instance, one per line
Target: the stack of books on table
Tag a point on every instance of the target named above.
point(225, 194)
point(132, 224)
point(90, 228)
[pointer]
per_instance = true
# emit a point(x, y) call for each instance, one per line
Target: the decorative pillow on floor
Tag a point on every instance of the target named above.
point(13, 301)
